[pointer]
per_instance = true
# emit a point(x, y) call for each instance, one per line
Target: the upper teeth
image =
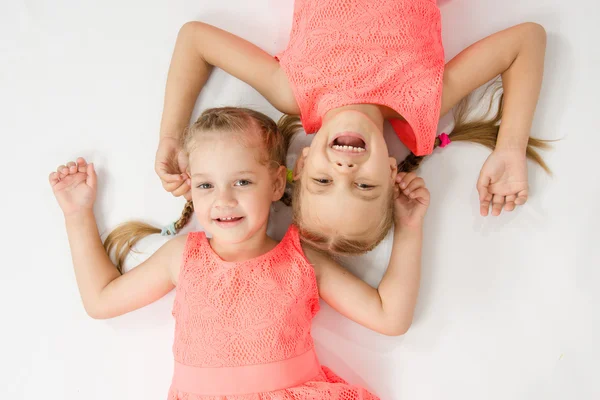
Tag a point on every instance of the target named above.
point(227, 219)
point(348, 148)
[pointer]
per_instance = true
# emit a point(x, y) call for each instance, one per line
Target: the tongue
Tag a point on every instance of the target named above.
point(349, 141)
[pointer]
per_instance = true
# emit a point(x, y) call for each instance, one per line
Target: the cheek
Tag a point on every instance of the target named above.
point(256, 202)
point(202, 203)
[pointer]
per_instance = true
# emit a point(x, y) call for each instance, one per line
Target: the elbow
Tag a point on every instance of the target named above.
point(189, 29)
point(397, 328)
point(96, 312)
point(535, 32)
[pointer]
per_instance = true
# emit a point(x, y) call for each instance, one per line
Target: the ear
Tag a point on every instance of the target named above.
point(299, 166)
point(279, 182)
point(393, 168)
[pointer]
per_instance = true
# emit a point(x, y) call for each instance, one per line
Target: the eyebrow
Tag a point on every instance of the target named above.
point(323, 189)
point(247, 172)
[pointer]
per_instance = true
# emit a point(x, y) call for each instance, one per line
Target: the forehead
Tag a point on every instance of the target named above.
point(351, 217)
point(224, 150)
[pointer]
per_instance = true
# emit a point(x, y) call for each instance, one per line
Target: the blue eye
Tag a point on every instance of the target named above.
point(204, 186)
point(243, 182)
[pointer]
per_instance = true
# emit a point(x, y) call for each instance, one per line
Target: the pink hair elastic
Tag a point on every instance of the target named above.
point(444, 140)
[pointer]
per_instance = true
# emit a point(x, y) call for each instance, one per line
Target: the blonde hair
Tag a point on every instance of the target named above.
point(274, 138)
point(483, 131)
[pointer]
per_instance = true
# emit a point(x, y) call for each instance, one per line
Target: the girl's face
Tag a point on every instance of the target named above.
point(231, 190)
point(346, 177)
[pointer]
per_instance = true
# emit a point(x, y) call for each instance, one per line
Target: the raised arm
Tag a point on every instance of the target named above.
point(104, 291)
point(199, 47)
point(517, 54)
point(388, 309)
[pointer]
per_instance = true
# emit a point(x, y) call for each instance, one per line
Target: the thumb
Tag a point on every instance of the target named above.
point(91, 176)
point(182, 161)
point(483, 185)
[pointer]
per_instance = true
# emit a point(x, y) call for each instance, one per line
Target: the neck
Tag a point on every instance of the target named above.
point(256, 245)
point(374, 112)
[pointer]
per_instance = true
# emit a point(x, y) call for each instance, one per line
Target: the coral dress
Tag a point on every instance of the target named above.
point(242, 329)
point(386, 52)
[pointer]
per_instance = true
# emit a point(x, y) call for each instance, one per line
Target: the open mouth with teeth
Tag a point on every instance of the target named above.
point(228, 222)
point(229, 219)
point(349, 143)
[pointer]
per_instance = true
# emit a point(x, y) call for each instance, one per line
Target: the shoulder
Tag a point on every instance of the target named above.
point(176, 250)
point(320, 261)
point(178, 243)
point(292, 243)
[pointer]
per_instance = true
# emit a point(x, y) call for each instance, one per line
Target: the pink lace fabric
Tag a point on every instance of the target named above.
point(233, 314)
point(386, 52)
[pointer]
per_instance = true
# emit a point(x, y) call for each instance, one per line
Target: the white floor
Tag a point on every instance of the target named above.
point(508, 307)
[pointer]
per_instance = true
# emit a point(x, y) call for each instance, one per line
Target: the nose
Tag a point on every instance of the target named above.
point(225, 199)
point(344, 166)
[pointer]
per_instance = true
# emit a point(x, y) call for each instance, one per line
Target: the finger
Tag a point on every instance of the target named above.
point(53, 178)
point(414, 185)
point(510, 202)
point(81, 164)
point(62, 171)
point(400, 176)
point(181, 190)
point(484, 205)
point(522, 197)
point(408, 178)
point(188, 195)
point(170, 178)
point(182, 161)
point(91, 176)
point(421, 195)
point(483, 184)
point(497, 203)
point(485, 197)
point(171, 186)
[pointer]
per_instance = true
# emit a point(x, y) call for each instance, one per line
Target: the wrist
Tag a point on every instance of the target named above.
point(169, 136)
point(408, 227)
point(512, 139)
point(78, 216)
point(514, 144)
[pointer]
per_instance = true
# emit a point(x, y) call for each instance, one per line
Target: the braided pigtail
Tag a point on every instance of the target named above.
point(124, 237)
point(483, 131)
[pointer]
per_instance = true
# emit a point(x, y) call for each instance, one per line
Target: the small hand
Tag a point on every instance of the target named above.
point(74, 186)
point(503, 181)
point(412, 199)
point(170, 165)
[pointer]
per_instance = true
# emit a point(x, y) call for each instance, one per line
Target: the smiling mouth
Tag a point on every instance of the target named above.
point(349, 143)
point(228, 219)
point(228, 222)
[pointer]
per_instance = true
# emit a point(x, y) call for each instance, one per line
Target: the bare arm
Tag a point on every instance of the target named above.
point(387, 309)
point(104, 291)
point(199, 47)
point(516, 53)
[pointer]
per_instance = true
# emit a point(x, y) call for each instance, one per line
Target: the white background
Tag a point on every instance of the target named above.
point(508, 307)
